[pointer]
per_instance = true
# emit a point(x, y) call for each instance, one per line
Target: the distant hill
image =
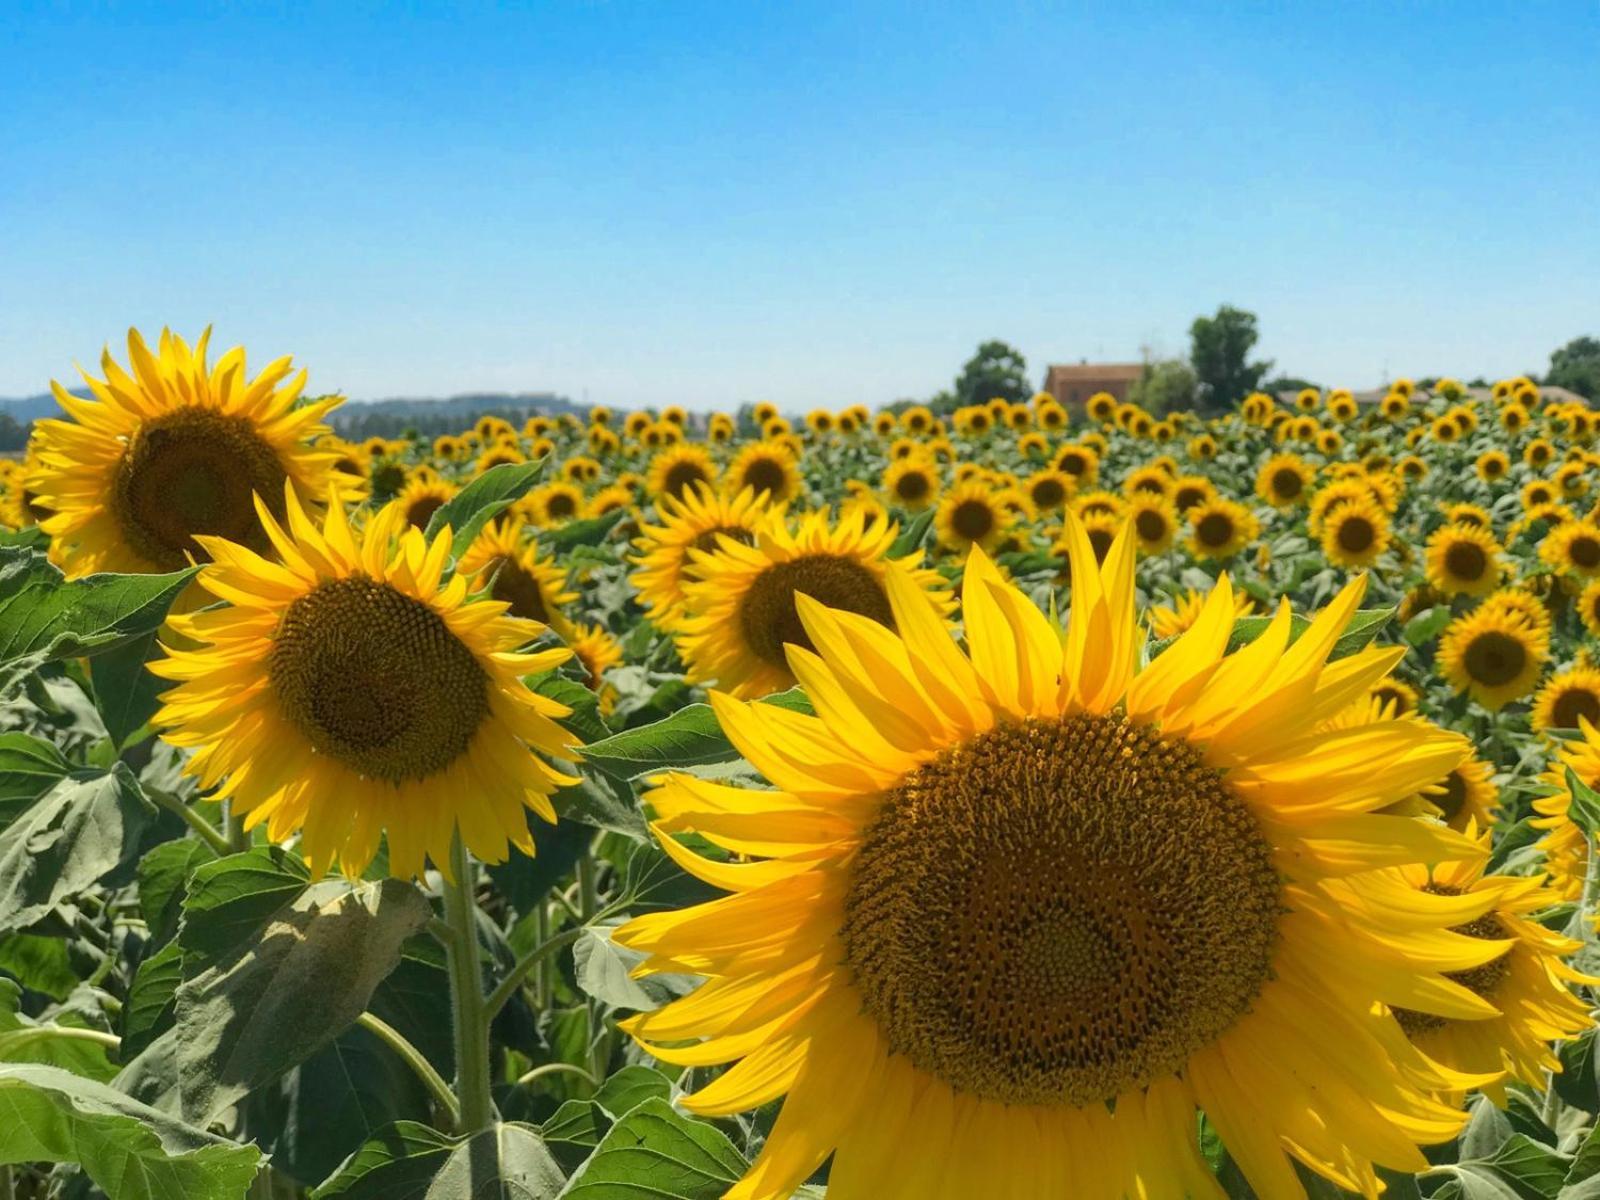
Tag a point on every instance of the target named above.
point(23, 409)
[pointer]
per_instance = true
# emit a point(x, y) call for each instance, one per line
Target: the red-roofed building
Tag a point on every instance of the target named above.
point(1072, 385)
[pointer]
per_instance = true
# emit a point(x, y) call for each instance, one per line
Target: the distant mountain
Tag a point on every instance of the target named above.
point(23, 409)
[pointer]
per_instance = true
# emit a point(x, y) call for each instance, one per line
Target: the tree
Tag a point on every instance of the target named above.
point(997, 369)
point(1219, 349)
point(1279, 384)
point(1576, 367)
point(1165, 386)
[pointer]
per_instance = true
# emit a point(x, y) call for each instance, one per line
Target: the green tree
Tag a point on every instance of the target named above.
point(1166, 385)
point(997, 369)
point(1219, 349)
point(1576, 367)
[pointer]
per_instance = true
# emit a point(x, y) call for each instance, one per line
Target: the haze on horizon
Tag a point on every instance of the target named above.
point(817, 205)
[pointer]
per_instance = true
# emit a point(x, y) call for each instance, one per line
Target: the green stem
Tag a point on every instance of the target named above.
point(207, 831)
point(414, 1058)
point(558, 1068)
point(588, 903)
point(466, 987)
point(542, 981)
point(6, 1190)
point(238, 836)
point(513, 980)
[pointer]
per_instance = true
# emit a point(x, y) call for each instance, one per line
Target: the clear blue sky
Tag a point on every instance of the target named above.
point(817, 204)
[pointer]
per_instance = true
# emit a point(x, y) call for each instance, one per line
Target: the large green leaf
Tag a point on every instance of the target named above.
point(148, 1011)
point(586, 532)
point(45, 617)
point(125, 692)
point(233, 898)
point(279, 999)
point(485, 498)
point(630, 1087)
point(409, 1161)
point(29, 767)
point(604, 971)
point(130, 1151)
point(1365, 625)
point(88, 825)
point(52, 1041)
point(657, 1153)
point(164, 875)
point(689, 737)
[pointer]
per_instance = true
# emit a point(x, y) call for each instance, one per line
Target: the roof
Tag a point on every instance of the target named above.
point(1096, 371)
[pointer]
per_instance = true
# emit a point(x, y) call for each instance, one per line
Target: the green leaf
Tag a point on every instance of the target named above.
point(41, 964)
point(1585, 809)
point(585, 719)
point(276, 1001)
point(44, 617)
point(51, 1041)
point(656, 1153)
point(630, 1087)
point(574, 1131)
point(1427, 625)
point(233, 898)
point(164, 875)
point(1585, 1163)
point(148, 1011)
point(581, 533)
point(604, 971)
point(1365, 625)
point(485, 498)
point(602, 801)
point(126, 693)
point(689, 737)
point(130, 1151)
point(88, 825)
point(912, 535)
point(29, 767)
point(1578, 1081)
point(410, 1161)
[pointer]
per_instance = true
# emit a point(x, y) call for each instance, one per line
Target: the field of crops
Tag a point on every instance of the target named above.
point(1009, 803)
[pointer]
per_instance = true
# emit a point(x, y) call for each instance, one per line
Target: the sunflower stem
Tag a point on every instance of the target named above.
point(207, 831)
point(588, 903)
point(536, 957)
point(466, 987)
point(238, 836)
point(420, 1066)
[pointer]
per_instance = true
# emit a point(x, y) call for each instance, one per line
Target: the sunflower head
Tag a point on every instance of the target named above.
point(174, 451)
point(1220, 528)
point(1463, 559)
point(505, 560)
point(766, 469)
point(911, 483)
point(970, 514)
point(697, 521)
point(1168, 621)
point(1568, 699)
point(1495, 654)
point(1154, 522)
point(1574, 547)
point(552, 504)
point(1049, 490)
point(420, 498)
point(680, 469)
point(351, 690)
point(1285, 480)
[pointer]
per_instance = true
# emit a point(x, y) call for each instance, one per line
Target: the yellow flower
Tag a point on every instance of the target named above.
point(352, 691)
point(679, 470)
point(598, 651)
point(1567, 699)
point(1492, 465)
point(1189, 490)
point(742, 599)
point(1565, 845)
point(912, 483)
point(173, 452)
point(971, 515)
point(1494, 654)
point(1014, 915)
point(1463, 560)
point(694, 522)
point(1155, 524)
point(506, 560)
point(1168, 622)
point(1574, 547)
point(1589, 608)
point(1220, 528)
point(421, 498)
point(1079, 461)
point(1284, 480)
point(768, 470)
point(553, 504)
point(1049, 489)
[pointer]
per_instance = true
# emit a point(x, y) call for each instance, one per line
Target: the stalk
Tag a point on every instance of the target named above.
point(466, 991)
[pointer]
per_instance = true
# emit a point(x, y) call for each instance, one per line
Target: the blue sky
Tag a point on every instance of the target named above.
point(817, 204)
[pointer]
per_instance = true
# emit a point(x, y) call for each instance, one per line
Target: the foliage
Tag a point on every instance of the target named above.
point(1219, 349)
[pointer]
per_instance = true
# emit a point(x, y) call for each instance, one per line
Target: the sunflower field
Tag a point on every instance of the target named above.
point(1008, 803)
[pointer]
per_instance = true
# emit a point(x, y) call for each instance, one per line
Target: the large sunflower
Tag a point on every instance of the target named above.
point(1463, 559)
point(1493, 653)
point(741, 603)
point(1017, 913)
point(350, 691)
point(1567, 699)
point(692, 522)
point(1528, 983)
point(175, 451)
point(1575, 547)
point(506, 560)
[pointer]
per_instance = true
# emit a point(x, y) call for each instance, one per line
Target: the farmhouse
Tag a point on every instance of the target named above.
point(1073, 384)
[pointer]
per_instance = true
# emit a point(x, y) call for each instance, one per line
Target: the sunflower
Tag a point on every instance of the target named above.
point(1202, 446)
point(1492, 465)
point(693, 522)
point(820, 420)
point(1567, 699)
point(1466, 794)
point(498, 455)
point(1169, 622)
point(1494, 654)
point(1284, 480)
point(506, 560)
point(971, 515)
point(1520, 603)
point(742, 599)
point(917, 419)
point(1463, 560)
point(1033, 446)
point(1079, 461)
point(553, 504)
point(421, 498)
point(350, 691)
point(1189, 490)
point(1538, 453)
point(1394, 406)
point(175, 451)
point(1018, 913)
point(679, 469)
point(1462, 513)
point(1573, 546)
point(1589, 608)
point(1154, 521)
point(1150, 479)
point(768, 470)
point(1395, 696)
point(1049, 489)
point(1514, 418)
point(1527, 982)
point(1220, 528)
point(912, 483)
point(598, 651)
point(1565, 845)
point(1101, 406)
point(1537, 492)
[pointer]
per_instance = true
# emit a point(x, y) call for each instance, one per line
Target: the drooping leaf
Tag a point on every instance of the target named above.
point(231, 899)
point(280, 998)
point(604, 972)
point(164, 875)
point(85, 827)
point(657, 1153)
point(130, 1151)
point(29, 767)
point(585, 720)
point(409, 1161)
